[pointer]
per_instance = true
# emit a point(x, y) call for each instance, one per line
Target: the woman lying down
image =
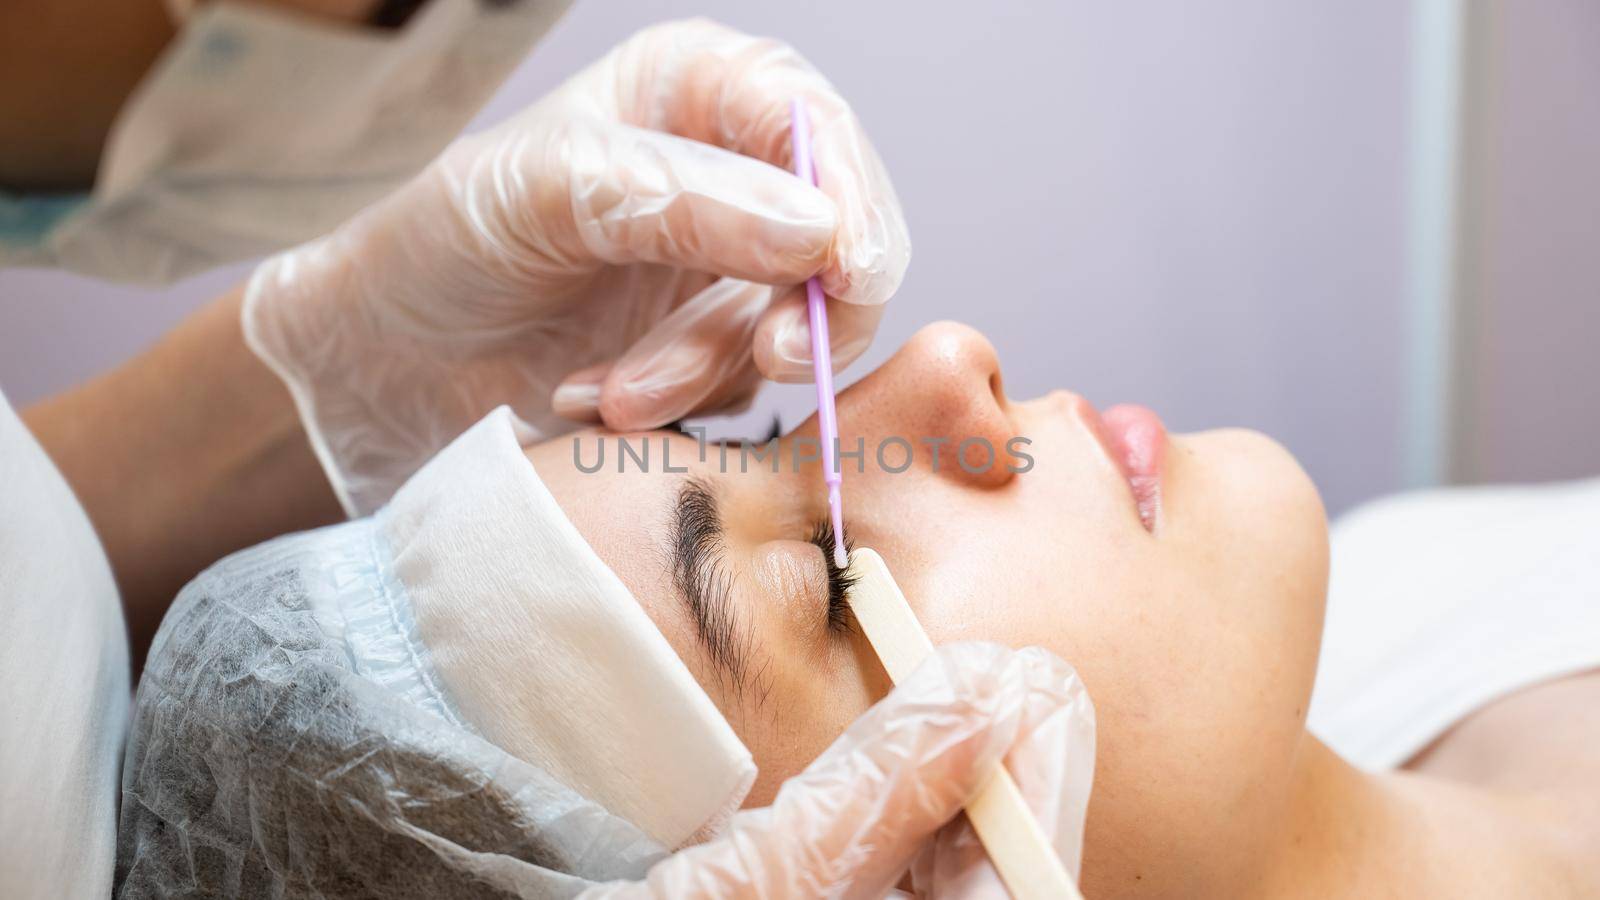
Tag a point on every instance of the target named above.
point(461, 696)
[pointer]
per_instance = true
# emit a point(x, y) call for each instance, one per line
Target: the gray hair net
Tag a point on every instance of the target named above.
point(288, 741)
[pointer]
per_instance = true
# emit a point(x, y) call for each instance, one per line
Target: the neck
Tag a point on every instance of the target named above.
point(1360, 834)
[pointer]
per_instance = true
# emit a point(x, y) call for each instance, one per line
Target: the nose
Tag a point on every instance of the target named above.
point(936, 404)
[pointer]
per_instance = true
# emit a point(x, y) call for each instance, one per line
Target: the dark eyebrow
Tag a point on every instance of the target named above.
point(704, 583)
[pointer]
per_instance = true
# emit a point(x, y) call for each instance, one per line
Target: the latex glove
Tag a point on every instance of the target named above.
point(851, 823)
point(605, 254)
point(1054, 767)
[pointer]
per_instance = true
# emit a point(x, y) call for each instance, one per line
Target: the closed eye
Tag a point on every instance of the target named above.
point(840, 581)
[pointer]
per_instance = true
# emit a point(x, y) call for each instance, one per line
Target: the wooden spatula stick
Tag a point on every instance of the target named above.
point(1016, 844)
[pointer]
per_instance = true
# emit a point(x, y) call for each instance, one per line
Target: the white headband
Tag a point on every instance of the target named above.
point(545, 652)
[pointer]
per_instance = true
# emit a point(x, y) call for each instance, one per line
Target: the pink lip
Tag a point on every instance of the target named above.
point(1136, 441)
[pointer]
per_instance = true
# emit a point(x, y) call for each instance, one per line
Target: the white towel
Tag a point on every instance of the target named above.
point(543, 650)
point(1443, 601)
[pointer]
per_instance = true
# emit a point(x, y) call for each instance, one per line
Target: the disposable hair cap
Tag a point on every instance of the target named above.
point(455, 697)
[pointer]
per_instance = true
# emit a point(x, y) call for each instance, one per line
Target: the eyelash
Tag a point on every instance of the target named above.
point(840, 581)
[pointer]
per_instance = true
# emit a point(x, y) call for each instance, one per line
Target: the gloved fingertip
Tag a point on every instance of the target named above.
point(787, 373)
point(791, 347)
point(625, 410)
point(577, 400)
point(867, 272)
point(858, 288)
point(797, 248)
point(813, 210)
point(848, 347)
point(787, 356)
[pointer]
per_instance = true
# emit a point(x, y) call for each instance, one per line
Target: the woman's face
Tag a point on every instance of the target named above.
point(1194, 626)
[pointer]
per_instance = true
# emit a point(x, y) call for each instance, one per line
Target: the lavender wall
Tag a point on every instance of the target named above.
point(1196, 210)
point(1535, 403)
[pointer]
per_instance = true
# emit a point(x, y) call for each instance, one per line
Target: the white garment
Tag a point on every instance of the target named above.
point(543, 650)
point(260, 128)
point(1441, 602)
point(64, 678)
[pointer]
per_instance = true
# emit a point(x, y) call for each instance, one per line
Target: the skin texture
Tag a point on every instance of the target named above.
point(1081, 576)
point(1197, 639)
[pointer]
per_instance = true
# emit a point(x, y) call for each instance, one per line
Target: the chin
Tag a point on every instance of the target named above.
point(1260, 506)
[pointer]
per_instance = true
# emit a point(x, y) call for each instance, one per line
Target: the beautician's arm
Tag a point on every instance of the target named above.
point(188, 452)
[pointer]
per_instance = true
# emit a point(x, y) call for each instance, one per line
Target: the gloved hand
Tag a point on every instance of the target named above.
point(881, 796)
point(604, 255)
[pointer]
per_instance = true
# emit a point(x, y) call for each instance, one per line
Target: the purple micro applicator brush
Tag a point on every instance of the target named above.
point(821, 352)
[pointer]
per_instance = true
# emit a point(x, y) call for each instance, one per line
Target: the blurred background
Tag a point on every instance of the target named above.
point(1370, 229)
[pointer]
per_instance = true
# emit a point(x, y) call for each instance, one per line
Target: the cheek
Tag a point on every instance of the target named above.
point(1031, 567)
point(805, 701)
point(809, 682)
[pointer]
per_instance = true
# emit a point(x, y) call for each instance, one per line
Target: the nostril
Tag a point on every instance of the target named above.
point(996, 387)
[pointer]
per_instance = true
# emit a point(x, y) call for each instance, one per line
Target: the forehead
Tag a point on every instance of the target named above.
point(626, 516)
